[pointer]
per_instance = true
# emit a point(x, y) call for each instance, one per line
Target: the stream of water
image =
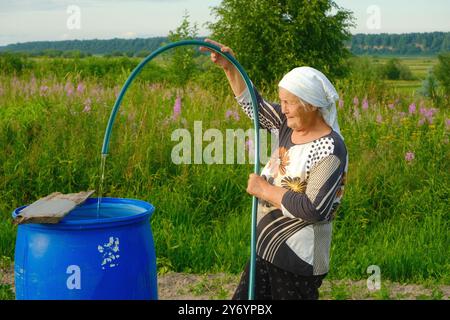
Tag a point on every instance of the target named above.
point(100, 187)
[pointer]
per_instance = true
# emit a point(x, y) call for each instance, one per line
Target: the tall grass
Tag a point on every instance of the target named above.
point(394, 213)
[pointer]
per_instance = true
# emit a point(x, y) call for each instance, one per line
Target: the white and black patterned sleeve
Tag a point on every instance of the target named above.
point(269, 114)
point(316, 202)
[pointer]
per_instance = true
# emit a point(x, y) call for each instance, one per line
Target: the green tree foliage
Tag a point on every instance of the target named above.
point(442, 72)
point(430, 87)
point(182, 63)
point(395, 70)
point(363, 76)
point(273, 36)
point(14, 63)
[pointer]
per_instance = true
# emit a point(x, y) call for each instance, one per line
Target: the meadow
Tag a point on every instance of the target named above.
point(419, 67)
point(396, 204)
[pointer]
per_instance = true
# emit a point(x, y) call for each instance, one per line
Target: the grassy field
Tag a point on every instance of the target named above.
point(395, 208)
point(419, 66)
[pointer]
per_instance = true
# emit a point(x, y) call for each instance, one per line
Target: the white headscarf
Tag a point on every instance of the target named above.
point(312, 86)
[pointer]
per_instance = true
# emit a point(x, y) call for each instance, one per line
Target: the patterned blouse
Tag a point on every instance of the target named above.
point(297, 238)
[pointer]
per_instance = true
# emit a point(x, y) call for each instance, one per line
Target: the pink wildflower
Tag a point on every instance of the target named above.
point(409, 156)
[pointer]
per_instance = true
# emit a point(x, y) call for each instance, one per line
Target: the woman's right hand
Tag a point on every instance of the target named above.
point(234, 77)
point(216, 57)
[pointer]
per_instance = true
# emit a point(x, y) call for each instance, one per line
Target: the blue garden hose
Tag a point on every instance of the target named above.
point(229, 57)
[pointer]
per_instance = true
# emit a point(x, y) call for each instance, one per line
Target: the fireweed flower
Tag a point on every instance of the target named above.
point(428, 114)
point(409, 156)
point(176, 108)
point(341, 103)
point(95, 92)
point(231, 113)
point(154, 86)
point(379, 118)
point(80, 88)
point(365, 104)
point(87, 106)
point(355, 101)
point(412, 108)
point(447, 123)
point(30, 87)
point(15, 83)
point(69, 89)
point(33, 84)
point(391, 106)
point(43, 91)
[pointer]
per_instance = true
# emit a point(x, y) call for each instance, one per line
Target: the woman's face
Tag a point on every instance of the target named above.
point(299, 115)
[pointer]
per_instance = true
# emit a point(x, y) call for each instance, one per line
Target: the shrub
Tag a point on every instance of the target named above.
point(442, 71)
point(395, 70)
point(13, 63)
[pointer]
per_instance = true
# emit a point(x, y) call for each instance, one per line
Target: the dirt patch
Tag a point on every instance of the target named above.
point(183, 286)
point(175, 286)
point(180, 286)
point(7, 276)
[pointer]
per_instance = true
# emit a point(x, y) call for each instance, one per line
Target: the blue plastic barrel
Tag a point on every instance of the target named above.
point(111, 256)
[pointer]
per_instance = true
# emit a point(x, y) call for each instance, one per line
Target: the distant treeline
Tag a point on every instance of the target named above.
point(410, 44)
point(70, 48)
point(431, 43)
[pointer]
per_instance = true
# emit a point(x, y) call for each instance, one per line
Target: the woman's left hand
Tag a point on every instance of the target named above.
point(256, 185)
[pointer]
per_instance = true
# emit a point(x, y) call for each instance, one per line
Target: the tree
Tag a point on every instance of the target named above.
point(395, 70)
point(442, 72)
point(14, 63)
point(182, 62)
point(430, 87)
point(273, 36)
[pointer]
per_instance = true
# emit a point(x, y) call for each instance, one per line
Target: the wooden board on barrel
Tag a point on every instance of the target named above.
point(52, 208)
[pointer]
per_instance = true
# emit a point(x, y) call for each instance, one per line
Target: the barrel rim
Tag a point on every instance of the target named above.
point(103, 222)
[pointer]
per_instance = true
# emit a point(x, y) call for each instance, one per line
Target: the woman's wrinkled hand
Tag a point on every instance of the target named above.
point(256, 185)
point(216, 57)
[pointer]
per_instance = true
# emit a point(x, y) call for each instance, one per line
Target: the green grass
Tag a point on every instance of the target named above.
point(419, 66)
point(394, 213)
point(339, 292)
point(214, 288)
point(6, 292)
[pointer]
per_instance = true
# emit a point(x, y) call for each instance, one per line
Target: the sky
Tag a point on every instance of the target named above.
point(36, 20)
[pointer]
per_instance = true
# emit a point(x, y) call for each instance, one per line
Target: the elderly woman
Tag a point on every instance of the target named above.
point(300, 188)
